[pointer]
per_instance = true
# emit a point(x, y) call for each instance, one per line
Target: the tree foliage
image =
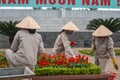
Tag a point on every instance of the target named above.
point(112, 24)
point(9, 29)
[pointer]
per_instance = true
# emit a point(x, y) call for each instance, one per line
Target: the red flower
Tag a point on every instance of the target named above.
point(64, 60)
point(55, 63)
point(78, 56)
point(86, 59)
point(71, 59)
point(83, 57)
point(113, 76)
point(73, 43)
point(43, 63)
point(46, 60)
point(49, 57)
point(63, 55)
point(44, 55)
point(58, 55)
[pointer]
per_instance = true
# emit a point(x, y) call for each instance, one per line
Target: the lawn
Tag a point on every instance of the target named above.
point(87, 52)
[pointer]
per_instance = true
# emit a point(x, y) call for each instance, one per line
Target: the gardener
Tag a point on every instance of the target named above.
point(26, 45)
point(62, 44)
point(103, 46)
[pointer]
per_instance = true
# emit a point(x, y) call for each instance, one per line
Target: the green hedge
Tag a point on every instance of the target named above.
point(94, 69)
point(117, 51)
point(87, 52)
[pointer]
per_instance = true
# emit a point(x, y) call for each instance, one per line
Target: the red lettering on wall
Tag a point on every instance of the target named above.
point(41, 1)
point(87, 2)
point(105, 2)
point(11, 2)
point(94, 2)
point(71, 2)
point(23, 1)
point(52, 1)
point(3, 1)
point(118, 2)
point(61, 1)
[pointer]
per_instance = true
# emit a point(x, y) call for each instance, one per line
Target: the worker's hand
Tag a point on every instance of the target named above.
point(44, 53)
point(74, 56)
point(115, 63)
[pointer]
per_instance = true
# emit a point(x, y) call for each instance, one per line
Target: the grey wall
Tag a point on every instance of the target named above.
point(51, 22)
point(83, 39)
point(49, 38)
point(4, 43)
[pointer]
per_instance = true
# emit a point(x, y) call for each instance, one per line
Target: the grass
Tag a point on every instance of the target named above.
point(117, 51)
point(87, 52)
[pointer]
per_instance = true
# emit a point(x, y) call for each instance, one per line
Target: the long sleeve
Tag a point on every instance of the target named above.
point(66, 44)
point(93, 43)
point(41, 45)
point(15, 43)
point(111, 48)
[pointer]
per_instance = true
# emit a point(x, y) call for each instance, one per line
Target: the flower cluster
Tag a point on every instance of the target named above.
point(73, 43)
point(60, 60)
point(113, 76)
point(3, 61)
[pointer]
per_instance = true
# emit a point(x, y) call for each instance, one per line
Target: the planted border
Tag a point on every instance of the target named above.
point(94, 69)
point(87, 52)
point(59, 64)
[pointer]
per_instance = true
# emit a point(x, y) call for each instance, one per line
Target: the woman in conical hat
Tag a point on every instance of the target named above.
point(26, 45)
point(103, 46)
point(62, 44)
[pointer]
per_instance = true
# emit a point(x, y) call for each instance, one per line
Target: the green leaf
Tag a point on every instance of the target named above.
point(8, 28)
point(111, 23)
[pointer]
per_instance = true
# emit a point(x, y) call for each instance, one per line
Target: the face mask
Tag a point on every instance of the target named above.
point(32, 31)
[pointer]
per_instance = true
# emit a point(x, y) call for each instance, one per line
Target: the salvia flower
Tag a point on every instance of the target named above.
point(73, 43)
point(61, 60)
point(113, 76)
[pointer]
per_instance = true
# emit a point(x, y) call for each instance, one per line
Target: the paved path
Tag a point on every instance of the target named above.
point(109, 67)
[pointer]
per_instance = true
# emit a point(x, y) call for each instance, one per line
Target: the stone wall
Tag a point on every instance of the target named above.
point(83, 39)
point(52, 21)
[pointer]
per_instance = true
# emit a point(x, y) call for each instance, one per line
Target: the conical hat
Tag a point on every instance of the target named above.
point(28, 23)
point(102, 31)
point(70, 26)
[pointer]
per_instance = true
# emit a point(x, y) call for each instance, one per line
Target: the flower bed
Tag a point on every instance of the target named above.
point(58, 67)
point(59, 64)
point(3, 61)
